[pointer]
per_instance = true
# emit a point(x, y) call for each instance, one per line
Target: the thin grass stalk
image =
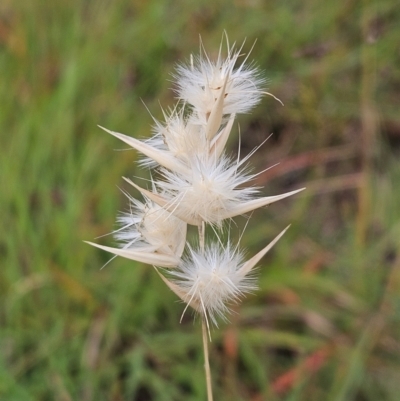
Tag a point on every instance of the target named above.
point(204, 327)
point(206, 360)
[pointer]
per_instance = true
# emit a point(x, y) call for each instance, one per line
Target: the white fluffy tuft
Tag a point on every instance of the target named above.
point(149, 227)
point(212, 189)
point(212, 280)
point(199, 84)
point(180, 136)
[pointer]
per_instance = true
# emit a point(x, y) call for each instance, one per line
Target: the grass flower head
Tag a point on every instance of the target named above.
point(197, 184)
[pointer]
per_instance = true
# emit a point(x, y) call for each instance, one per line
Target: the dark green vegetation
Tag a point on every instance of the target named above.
point(325, 324)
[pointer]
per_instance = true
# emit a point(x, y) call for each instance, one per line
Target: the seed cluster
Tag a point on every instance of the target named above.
point(197, 184)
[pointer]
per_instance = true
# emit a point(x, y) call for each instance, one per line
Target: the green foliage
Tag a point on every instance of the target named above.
point(330, 288)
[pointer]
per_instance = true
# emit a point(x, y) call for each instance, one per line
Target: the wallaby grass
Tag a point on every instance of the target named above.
point(324, 324)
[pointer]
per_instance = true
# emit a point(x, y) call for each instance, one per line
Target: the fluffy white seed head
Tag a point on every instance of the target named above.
point(212, 189)
point(212, 280)
point(180, 136)
point(200, 84)
point(198, 185)
point(150, 227)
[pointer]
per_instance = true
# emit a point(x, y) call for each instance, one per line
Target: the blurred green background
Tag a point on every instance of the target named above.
point(325, 323)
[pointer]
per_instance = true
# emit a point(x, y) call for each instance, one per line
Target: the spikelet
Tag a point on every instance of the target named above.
point(210, 280)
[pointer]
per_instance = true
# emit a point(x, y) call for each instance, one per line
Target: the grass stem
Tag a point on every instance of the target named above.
point(206, 361)
point(202, 236)
point(204, 326)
